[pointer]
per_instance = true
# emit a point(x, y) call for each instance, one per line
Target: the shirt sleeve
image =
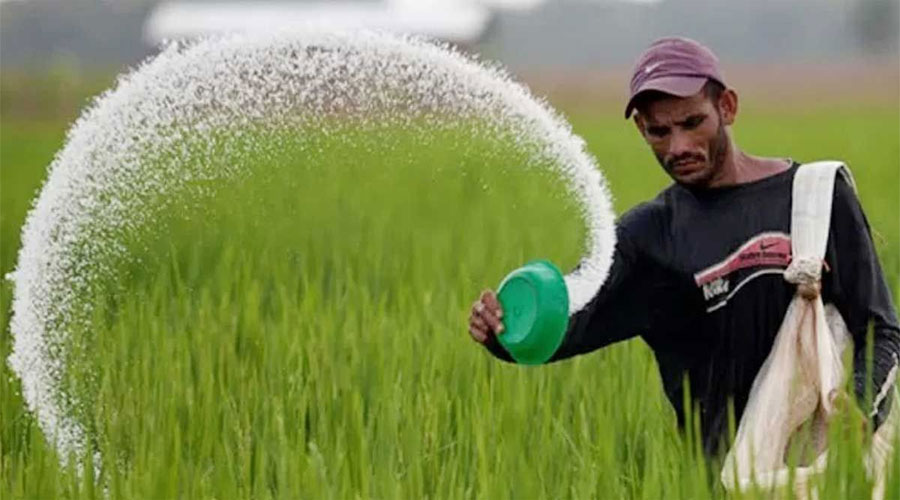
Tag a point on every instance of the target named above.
point(617, 312)
point(861, 294)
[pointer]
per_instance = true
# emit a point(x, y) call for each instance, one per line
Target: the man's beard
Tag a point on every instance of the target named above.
point(718, 150)
point(715, 157)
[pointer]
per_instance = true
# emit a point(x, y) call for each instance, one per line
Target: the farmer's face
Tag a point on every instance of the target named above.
point(688, 135)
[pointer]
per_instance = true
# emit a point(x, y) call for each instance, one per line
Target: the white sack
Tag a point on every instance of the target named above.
point(804, 371)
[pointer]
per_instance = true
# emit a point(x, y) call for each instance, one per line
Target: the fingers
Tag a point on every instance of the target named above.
point(478, 329)
point(477, 334)
point(490, 301)
point(493, 322)
point(479, 323)
point(486, 314)
point(490, 311)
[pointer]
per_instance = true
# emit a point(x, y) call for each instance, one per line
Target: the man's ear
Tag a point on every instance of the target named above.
point(728, 106)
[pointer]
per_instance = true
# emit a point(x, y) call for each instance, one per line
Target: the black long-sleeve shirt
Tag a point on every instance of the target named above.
point(698, 274)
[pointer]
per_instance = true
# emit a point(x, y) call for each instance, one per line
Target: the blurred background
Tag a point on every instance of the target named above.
point(817, 79)
point(831, 64)
point(54, 52)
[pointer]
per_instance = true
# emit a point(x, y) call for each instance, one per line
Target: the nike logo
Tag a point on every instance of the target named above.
point(650, 68)
point(763, 246)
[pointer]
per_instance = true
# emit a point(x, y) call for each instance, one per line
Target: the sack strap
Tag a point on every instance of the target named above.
point(813, 192)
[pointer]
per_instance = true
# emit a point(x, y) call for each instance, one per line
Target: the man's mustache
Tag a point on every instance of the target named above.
point(671, 163)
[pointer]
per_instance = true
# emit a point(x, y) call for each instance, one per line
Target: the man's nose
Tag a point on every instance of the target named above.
point(679, 144)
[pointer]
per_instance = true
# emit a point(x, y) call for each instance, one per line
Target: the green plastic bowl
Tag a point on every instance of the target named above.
point(535, 304)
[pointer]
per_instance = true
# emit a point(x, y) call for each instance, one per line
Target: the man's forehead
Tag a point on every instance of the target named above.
point(674, 109)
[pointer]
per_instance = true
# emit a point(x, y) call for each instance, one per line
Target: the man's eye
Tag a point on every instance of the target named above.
point(657, 131)
point(693, 122)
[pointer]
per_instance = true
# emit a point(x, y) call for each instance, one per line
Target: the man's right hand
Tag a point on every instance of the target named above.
point(484, 322)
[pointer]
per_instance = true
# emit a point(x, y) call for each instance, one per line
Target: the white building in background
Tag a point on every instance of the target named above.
point(459, 21)
point(526, 35)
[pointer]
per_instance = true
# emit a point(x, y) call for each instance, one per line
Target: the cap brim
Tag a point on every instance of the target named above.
point(679, 86)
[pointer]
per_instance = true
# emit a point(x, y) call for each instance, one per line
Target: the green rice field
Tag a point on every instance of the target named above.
point(303, 335)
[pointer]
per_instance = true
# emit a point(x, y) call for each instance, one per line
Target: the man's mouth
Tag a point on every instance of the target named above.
point(685, 167)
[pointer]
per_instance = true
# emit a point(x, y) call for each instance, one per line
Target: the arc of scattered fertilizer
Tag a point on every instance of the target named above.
point(99, 182)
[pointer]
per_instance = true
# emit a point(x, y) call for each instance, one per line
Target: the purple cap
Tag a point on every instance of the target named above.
point(674, 65)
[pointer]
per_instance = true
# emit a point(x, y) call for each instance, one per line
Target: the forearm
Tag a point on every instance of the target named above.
point(617, 312)
point(862, 295)
point(493, 346)
point(873, 390)
point(587, 330)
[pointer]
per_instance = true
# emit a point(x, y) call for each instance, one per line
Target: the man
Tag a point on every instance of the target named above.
point(698, 271)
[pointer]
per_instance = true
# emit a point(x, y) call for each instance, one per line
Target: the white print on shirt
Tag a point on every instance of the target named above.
point(714, 288)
